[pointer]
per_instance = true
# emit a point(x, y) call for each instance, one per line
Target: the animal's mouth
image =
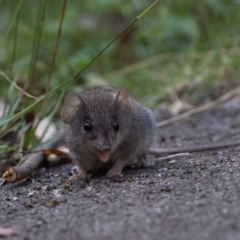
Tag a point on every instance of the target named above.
point(103, 155)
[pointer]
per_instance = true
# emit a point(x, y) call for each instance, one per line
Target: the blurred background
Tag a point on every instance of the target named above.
point(176, 42)
point(183, 49)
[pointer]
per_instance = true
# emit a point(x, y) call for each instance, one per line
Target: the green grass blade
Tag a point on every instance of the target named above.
point(12, 23)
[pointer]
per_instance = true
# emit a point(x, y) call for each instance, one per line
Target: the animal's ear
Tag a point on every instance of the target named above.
point(122, 100)
point(72, 103)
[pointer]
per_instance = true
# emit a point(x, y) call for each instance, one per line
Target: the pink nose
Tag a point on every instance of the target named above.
point(106, 148)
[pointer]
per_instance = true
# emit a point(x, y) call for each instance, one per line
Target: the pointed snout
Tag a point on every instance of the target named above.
point(105, 148)
point(103, 144)
point(104, 152)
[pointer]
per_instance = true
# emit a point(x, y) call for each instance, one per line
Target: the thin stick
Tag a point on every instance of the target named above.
point(172, 156)
point(201, 108)
point(201, 148)
point(18, 173)
point(35, 159)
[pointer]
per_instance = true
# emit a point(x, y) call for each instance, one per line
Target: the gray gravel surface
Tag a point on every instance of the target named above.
point(192, 197)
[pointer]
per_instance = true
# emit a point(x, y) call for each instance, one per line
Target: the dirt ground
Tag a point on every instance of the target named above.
point(191, 197)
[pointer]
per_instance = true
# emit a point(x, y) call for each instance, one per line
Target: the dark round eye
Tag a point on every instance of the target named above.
point(87, 126)
point(115, 126)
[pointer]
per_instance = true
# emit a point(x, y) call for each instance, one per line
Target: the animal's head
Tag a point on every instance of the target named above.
point(99, 119)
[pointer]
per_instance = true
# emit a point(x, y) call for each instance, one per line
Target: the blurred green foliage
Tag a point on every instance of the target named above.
point(187, 36)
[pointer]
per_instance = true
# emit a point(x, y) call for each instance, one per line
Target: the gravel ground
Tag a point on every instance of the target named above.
point(191, 197)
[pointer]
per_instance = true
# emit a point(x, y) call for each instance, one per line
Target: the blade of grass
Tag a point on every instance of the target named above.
point(11, 110)
point(50, 113)
point(41, 145)
point(13, 18)
point(24, 135)
point(15, 36)
point(54, 54)
point(36, 41)
point(55, 107)
point(9, 128)
point(13, 84)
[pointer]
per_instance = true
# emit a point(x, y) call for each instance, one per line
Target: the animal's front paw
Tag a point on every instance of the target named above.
point(112, 173)
point(78, 176)
point(116, 169)
point(79, 172)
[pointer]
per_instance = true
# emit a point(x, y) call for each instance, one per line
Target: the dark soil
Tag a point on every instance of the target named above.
point(191, 197)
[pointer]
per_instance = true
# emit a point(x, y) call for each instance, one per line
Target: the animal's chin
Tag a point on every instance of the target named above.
point(103, 155)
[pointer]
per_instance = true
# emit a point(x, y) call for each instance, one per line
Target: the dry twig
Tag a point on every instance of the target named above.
point(15, 174)
point(200, 109)
point(172, 156)
point(35, 159)
point(201, 148)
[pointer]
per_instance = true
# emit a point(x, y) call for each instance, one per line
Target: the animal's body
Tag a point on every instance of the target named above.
point(106, 129)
